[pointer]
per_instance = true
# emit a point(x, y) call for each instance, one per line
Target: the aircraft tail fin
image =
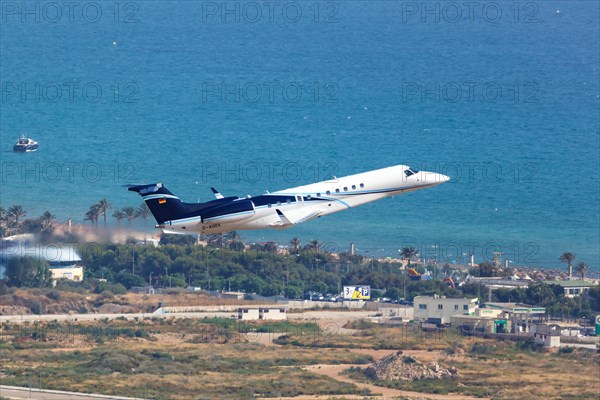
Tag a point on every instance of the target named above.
point(217, 194)
point(163, 204)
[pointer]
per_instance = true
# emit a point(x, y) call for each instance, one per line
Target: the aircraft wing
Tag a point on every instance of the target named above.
point(294, 218)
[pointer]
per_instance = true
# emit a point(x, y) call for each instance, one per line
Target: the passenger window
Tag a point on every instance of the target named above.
point(278, 203)
point(269, 205)
point(288, 201)
point(337, 190)
point(353, 187)
point(345, 188)
point(362, 185)
point(318, 194)
point(308, 197)
point(328, 192)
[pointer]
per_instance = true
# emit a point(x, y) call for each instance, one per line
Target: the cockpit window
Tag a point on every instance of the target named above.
point(410, 172)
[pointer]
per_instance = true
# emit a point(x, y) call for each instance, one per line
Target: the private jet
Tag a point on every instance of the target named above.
point(282, 209)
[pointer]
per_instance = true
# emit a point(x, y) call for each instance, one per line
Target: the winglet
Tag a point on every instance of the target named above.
point(283, 218)
point(216, 193)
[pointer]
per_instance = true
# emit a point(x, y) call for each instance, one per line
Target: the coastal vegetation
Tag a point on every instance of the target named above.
point(266, 269)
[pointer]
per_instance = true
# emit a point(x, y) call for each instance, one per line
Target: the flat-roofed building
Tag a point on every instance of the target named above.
point(262, 314)
point(439, 310)
point(521, 316)
point(479, 324)
point(575, 287)
point(72, 273)
point(547, 335)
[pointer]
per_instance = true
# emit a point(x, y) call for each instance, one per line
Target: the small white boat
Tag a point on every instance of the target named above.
point(25, 145)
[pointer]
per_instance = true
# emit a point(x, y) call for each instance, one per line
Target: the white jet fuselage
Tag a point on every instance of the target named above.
point(285, 208)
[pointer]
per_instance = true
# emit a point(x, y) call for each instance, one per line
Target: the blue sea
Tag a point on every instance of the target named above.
point(502, 96)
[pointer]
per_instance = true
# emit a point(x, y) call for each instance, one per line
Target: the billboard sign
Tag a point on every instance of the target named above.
point(357, 292)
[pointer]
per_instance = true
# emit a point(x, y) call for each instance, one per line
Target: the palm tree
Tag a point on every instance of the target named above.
point(582, 268)
point(16, 212)
point(119, 215)
point(409, 253)
point(313, 245)
point(130, 213)
point(92, 214)
point(143, 210)
point(103, 206)
point(295, 243)
point(568, 257)
point(2, 220)
point(46, 220)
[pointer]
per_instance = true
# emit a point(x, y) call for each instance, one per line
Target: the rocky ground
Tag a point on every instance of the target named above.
point(398, 366)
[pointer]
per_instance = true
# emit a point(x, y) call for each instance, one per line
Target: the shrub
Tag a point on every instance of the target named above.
point(54, 295)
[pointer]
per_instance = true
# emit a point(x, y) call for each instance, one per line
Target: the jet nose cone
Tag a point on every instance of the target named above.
point(443, 178)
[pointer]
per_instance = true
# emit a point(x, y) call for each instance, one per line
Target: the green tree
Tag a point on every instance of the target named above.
point(47, 220)
point(130, 213)
point(485, 269)
point(568, 257)
point(16, 212)
point(313, 245)
point(103, 206)
point(118, 215)
point(92, 214)
point(27, 272)
point(143, 211)
point(582, 268)
point(2, 221)
point(129, 280)
point(296, 244)
point(408, 253)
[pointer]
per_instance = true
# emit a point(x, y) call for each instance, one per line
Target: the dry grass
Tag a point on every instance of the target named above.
point(193, 359)
point(163, 364)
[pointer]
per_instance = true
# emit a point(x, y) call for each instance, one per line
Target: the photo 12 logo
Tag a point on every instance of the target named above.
point(499, 252)
point(469, 92)
point(269, 92)
point(71, 172)
point(454, 12)
point(69, 92)
point(70, 12)
point(266, 171)
point(474, 171)
point(253, 12)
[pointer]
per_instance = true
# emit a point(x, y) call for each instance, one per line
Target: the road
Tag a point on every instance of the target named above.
point(332, 315)
point(13, 392)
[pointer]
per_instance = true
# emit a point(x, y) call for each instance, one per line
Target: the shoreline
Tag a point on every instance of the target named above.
point(109, 233)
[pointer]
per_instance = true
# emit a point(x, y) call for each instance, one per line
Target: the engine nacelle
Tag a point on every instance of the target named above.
point(235, 211)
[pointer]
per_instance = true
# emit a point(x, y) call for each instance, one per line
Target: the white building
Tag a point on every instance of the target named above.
point(547, 335)
point(262, 313)
point(438, 310)
point(574, 287)
point(63, 259)
point(72, 273)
